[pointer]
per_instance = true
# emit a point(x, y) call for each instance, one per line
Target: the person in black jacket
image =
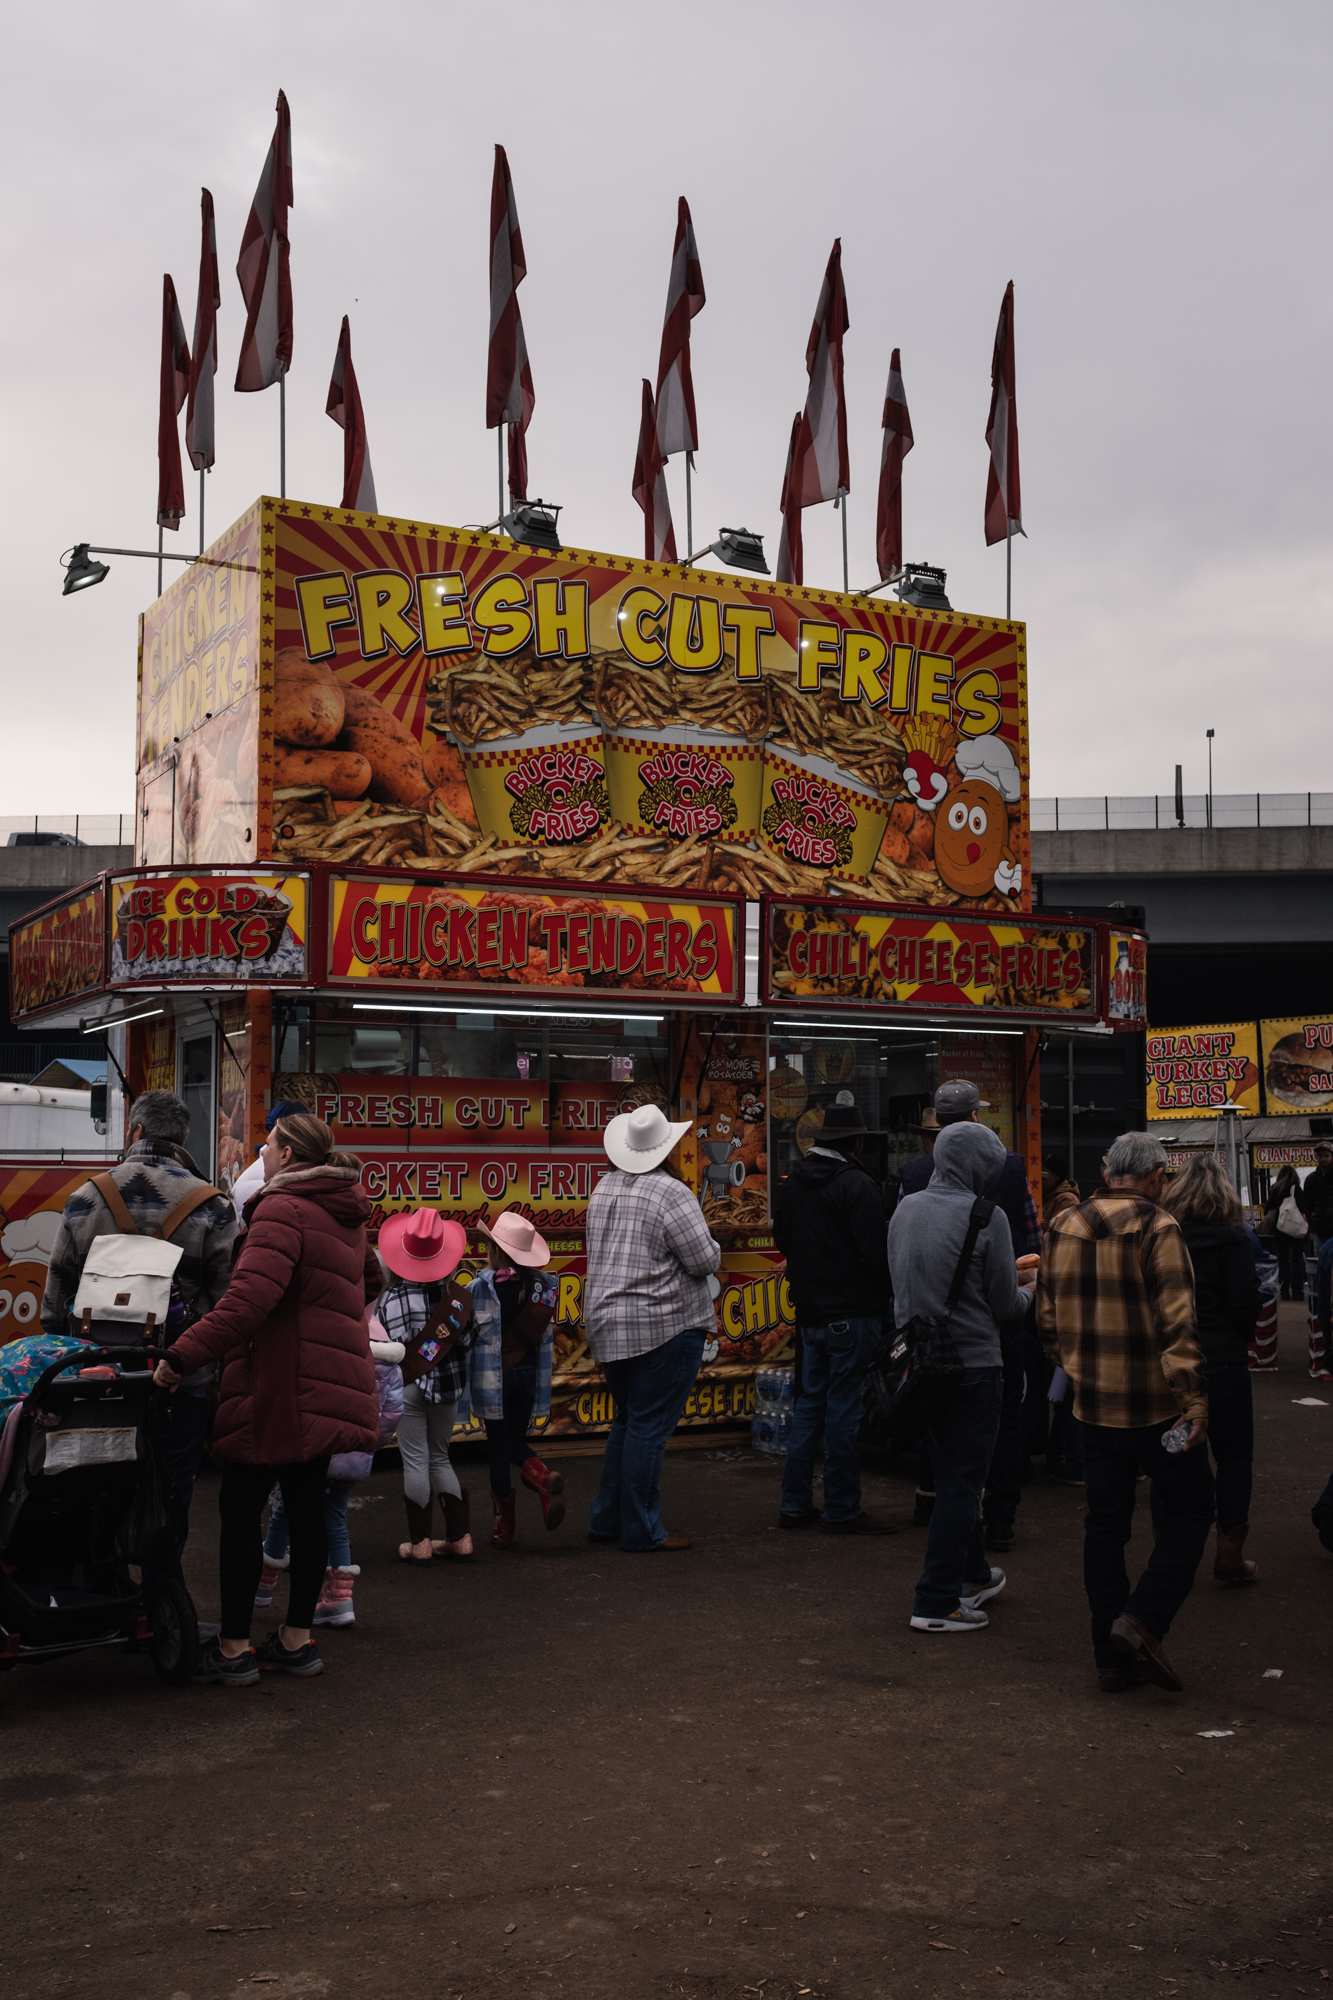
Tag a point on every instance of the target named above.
point(1289, 1250)
point(828, 1222)
point(1009, 1190)
point(1316, 1195)
point(1226, 1302)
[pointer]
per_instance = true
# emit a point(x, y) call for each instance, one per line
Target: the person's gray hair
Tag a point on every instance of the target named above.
point(164, 1117)
point(1133, 1156)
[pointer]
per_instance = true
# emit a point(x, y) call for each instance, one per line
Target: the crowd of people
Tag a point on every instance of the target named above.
point(1127, 1316)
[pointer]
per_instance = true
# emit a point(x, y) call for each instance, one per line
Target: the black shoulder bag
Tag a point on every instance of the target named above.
point(921, 1359)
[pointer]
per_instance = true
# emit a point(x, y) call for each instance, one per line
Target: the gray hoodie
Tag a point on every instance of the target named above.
point(926, 1236)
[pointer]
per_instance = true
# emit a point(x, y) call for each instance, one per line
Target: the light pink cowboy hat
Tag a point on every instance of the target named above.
point(515, 1235)
point(422, 1246)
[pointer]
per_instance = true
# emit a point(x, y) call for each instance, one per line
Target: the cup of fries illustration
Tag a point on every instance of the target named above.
point(815, 813)
point(683, 754)
point(531, 750)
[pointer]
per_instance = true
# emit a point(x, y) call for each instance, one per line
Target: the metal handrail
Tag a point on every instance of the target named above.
point(1112, 813)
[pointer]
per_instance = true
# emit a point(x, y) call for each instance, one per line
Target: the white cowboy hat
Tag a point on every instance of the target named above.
point(638, 1141)
point(515, 1235)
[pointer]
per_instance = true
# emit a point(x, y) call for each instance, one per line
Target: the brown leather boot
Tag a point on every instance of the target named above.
point(1231, 1567)
point(502, 1534)
point(457, 1526)
point(418, 1531)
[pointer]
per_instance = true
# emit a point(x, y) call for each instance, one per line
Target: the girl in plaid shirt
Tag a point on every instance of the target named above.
point(422, 1251)
point(513, 1308)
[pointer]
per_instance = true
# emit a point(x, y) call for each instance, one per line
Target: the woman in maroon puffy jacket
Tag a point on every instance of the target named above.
point(297, 1384)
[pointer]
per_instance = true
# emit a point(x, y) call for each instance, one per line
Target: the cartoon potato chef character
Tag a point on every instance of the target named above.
point(972, 848)
point(25, 1252)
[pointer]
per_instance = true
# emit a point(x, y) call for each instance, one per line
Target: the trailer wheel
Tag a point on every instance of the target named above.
point(175, 1641)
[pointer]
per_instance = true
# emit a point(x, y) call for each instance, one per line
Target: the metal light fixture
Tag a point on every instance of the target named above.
point(922, 585)
point(535, 522)
point(81, 572)
point(739, 548)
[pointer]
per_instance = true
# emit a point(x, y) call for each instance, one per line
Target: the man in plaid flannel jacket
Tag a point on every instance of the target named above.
point(1115, 1307)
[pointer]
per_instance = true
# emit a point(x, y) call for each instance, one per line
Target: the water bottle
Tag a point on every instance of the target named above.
point(765, 1422)
point(1178, 1436)
point(786, 1399)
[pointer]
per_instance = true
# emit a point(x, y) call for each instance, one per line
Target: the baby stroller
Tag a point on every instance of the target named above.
point(87, 1557)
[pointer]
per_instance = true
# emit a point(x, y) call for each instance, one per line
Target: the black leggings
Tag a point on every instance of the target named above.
point(245, 1488)
point(507, 1436)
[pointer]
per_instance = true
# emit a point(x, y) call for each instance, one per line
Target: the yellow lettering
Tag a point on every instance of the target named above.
point(694, 634)
point(863, 654)
point(325, 604)
point(502, 618)
point(752, 1305)
point(382, 599)
point(979, 703)
point(750, 623)
point(444, 629)
point(567, 1299)
point(561, 610)
point(934, 675)
point(817, 648)
point(900, 680)
point(639, 621)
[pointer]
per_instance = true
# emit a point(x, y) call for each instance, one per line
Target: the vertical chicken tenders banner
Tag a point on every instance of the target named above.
point(1197, 1072)
point(197, 784)
point(432, 698)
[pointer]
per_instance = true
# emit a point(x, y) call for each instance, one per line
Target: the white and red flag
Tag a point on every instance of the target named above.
point(510, 396)
point(344, 406)
point(791, 550)
point(824, 469)
point(200, 439)
point(173, 384)
point(677, 423)
point(898, 441)
point(650, 487)
point(1004, 505)
point(264, 267)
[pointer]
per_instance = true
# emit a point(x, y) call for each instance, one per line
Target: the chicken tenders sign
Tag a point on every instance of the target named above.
point(538, 940)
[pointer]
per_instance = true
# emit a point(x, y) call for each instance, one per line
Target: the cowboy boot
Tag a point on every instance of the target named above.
point(502, 1534)
point(418, 1530)
point(548, 1485)
point(1231, 1566)
point(457, 1511)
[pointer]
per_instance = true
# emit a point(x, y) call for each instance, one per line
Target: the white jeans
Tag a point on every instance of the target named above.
point(424, 1431)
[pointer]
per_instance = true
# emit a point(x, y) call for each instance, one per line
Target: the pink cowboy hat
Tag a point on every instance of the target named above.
point(422, 1246)
point(515, 1235)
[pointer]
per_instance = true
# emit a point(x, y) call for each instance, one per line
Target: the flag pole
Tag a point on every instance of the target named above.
point(500, 470)
point(201, 510)
point(1008, 571)
point(689, 503)
point(282, 435)
point(845, 584)
point(159, 558)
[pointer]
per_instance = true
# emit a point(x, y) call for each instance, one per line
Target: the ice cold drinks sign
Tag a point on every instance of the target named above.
point(215, 927)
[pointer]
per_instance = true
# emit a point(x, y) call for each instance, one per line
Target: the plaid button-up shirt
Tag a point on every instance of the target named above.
point(403, 1311)
point(1115, 1307)
point(649, 1259)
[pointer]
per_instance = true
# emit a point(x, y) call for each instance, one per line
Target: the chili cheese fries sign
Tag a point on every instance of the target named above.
point(1198, 1072)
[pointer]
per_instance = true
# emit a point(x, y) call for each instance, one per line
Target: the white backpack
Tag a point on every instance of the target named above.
point(125, 1292)
point(1290, 1221)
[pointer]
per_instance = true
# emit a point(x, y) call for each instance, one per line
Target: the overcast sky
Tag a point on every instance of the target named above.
point(1154, 175)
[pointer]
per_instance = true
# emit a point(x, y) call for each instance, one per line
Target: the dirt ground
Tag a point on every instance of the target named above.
point(712, 1776)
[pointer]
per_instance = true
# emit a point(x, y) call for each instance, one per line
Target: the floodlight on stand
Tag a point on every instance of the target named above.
point(535, 522)
point(922, 585)
point(739, 548)
point(81, 572)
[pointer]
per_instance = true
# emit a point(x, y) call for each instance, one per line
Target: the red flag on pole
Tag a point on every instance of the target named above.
point(264, 267)
point(174, 382)
point(1004, 506)
point(510, 396)
point(791, 550)
point(824, 470)
point(677, 423)
point(344, 406)
point(898, 441)
point(650, 487)
point(200, 440)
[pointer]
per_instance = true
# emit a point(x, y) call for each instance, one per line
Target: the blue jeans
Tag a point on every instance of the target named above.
point(962, 1437)
point(831, 1384)
point(336, 1494)
point(650, 1392)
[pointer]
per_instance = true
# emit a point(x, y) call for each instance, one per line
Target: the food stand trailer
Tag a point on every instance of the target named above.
point(467, 844)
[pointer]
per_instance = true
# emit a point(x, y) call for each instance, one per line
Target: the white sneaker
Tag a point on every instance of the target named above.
point(972, 1600)
point(965, 1619)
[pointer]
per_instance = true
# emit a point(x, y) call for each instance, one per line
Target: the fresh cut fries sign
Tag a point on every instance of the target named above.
point(438, 699)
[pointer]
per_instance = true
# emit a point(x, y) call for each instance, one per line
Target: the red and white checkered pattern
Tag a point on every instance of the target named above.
point(264, 267)
point(825, 472)
point(510, 395)
point(677, 423)
point(898, 441)
point(344, 406)
point(650, 487)
point(791, 547)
